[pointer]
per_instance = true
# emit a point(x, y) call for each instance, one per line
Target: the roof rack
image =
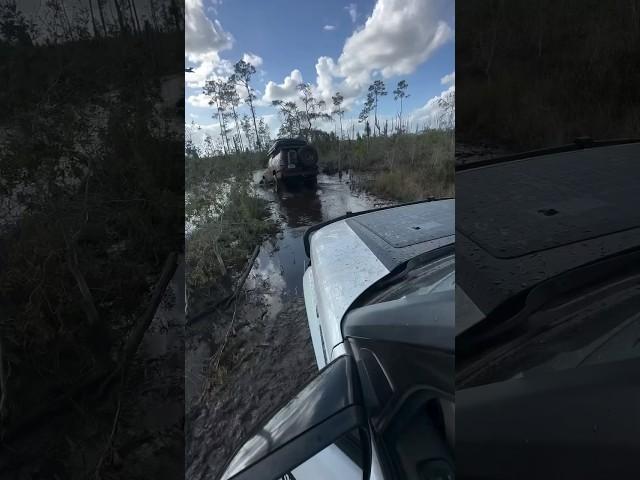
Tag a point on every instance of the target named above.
point(578, 144)
point(286, 142)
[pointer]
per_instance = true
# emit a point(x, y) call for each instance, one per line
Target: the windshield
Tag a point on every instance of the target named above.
point(420, 279)
point(597, 325)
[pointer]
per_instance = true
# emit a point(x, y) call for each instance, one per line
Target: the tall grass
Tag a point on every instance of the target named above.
point(534, 74)
point(227, 216)
point(401, 167)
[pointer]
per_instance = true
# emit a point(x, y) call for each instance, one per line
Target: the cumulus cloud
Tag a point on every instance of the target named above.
point(399, 36)
point(207, 69)
point(352, 9)
point(204, 37)
point(329, 27)
point(430, 114)
point(287, 90)
point(204, 40)
point(200, 100)
point(449, 78)
point(253, 59)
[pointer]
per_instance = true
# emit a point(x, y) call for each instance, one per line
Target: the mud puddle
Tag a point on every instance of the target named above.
point(267, 353)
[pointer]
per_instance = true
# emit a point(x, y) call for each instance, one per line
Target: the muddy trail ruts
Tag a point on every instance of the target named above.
point(268, 354)
point(265, 361)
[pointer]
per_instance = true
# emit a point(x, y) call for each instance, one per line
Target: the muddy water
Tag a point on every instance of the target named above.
point(267, 354)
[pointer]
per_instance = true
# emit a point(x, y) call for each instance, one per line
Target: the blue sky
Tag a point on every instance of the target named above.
point(335, 45)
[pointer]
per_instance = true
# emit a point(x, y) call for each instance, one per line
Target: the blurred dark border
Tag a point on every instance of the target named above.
point(91, 239)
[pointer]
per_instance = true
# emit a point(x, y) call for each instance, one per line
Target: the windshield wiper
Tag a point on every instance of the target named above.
point(504, 324)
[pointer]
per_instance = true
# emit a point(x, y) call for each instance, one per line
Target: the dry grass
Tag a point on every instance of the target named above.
point(534, 74)
point(401, 167)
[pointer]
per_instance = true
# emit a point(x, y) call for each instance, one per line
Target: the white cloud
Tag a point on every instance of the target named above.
point(203, 37)
point(397, 37)
point(200, 100)
point(430, 114)
point(287, 90)
point(209, 68)
point(198, 133)
point(204, 40)
point(253, 59)
point(329, 27)
point(449, 78)
point(353, 11)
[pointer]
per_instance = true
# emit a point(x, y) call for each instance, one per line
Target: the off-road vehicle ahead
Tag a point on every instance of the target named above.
point(292, 160)
point(379, 293)
point(548, 314)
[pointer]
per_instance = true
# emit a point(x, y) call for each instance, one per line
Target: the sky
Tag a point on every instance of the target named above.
point(334, 45)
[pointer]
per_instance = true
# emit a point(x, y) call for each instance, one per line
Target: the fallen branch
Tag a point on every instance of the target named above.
point(226, 301)
point(243, 277)
point(133, 342)
point(99, 381)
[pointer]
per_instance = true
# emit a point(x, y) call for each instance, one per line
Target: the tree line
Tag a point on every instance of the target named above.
point(56, 21)
point(300, 117)
point(237, 133)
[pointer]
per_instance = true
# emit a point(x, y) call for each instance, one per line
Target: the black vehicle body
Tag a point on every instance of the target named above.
point(548, 269)
point(291, 160)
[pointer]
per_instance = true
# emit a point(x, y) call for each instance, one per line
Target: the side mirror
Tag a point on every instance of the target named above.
point(325, 410)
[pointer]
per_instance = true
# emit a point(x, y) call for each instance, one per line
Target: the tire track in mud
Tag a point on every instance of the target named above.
point(268, 356)
point(265, 362)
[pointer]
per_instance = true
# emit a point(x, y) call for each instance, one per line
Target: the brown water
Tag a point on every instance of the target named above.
point(268, 354)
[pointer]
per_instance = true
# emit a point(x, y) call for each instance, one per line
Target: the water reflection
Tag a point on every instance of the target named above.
point(300, 205)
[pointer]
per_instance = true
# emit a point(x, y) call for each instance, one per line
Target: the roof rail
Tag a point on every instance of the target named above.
point(578, 144)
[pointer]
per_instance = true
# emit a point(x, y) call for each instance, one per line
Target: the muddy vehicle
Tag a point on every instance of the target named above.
point(379, 296)
point(292, 160)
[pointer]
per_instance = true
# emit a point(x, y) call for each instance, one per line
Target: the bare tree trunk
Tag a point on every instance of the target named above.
point(375, 118)
point(123, 28)
point(134, 13)
point(101, 12)
point(253, 115)
point(93, 20)
point(223, 135)
point(238, 133)
point(177, 16)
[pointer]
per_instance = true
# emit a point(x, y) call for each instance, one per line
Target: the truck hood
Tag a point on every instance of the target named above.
point(348, 256)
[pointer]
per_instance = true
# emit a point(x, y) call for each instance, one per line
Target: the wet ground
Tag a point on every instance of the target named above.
point(244, 362)
point(148, 438)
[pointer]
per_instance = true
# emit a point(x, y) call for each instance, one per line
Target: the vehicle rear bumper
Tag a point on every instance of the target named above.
point(295, 173)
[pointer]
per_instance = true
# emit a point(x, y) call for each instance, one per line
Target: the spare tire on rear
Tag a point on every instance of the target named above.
point(308, 156)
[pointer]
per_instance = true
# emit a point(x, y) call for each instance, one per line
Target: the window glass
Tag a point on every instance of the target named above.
point(434, 276)
point(331, 462)
point(589, 328)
